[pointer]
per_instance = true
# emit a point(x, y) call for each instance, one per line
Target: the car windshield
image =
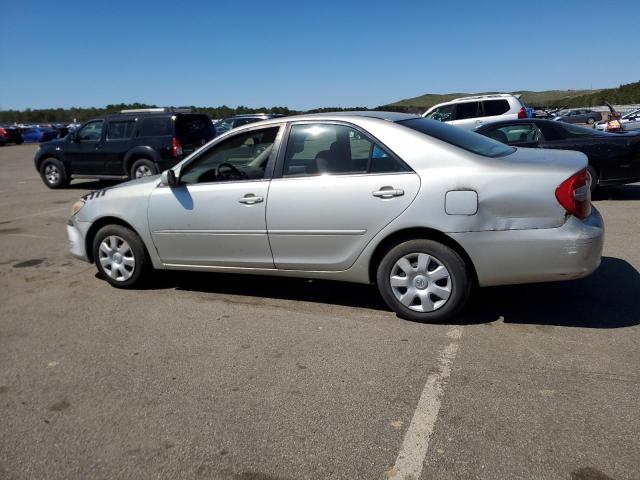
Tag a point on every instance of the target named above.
point(632, 113)
point(458, 137)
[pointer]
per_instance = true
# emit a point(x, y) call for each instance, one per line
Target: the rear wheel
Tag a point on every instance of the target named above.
point(120, 256)
point(424, 281)
point(53, 173)
point(592, 178)
point(143, 168)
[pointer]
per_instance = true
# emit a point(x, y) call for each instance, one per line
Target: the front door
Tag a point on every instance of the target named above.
point(215, 216)
point(337, 189)
point(84, 150)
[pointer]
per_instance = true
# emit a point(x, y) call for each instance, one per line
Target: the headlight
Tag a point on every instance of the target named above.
point(76, 207)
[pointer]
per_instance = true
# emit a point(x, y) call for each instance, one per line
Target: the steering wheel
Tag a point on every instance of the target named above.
point(226, 171)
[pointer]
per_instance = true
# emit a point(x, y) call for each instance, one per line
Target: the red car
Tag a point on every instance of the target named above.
point(10, 135)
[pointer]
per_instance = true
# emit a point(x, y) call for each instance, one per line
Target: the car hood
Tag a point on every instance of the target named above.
point(56, 143)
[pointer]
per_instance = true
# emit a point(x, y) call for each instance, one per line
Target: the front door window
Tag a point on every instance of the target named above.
point(244, 156)
point(91, 132)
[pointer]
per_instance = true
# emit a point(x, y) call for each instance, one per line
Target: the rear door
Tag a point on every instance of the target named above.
point(467, 114)
point(336, 189)
point(116, 144)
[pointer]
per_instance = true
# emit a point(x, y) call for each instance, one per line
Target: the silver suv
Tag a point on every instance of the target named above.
point(471, 112)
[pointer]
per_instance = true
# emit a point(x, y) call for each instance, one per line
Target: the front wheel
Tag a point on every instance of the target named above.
point(120, 256)
point(591, 121)
point(424, 281)
point(53, 173)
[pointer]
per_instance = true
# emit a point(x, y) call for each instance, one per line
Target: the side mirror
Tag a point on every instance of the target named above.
point(168, 178)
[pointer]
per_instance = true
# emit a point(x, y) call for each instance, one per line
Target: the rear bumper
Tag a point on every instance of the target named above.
point(507, 257)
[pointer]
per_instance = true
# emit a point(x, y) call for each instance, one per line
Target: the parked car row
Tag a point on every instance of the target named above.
point(236, 121)
point(19, 134)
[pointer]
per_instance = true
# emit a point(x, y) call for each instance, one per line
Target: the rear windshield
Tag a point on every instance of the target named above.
point(456, 136)
point(193, 128)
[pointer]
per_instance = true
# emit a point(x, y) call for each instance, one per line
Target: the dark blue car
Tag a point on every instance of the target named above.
point(39, 134)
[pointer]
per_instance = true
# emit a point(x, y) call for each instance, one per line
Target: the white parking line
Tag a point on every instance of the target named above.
point(416, 440)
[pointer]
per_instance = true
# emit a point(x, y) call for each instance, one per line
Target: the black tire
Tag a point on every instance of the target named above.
point(53, 173)
point(143, 164)
point(19, 142)
point(142, 263)
point(591, 120)
point(593, 173)
point(458, 282)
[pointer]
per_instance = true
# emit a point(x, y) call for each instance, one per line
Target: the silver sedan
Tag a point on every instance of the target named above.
point(423, 209)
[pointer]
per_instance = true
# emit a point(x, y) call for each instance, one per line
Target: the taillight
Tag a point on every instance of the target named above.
point(176, 147)
point(574, 194)
point(522, 113)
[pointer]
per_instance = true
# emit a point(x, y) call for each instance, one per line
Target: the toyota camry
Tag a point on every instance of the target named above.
point(423, 209)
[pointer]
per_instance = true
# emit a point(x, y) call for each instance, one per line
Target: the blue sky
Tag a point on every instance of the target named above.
point(305, 54)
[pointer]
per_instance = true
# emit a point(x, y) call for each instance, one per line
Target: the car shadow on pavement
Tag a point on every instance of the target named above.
point(608, 298)
point(618, 192)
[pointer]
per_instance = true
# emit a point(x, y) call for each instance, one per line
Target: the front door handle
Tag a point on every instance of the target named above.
point(388, 192)
point(251, 199)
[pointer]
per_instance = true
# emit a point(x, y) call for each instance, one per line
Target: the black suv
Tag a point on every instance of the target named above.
point(238, 120)
point(131, 144)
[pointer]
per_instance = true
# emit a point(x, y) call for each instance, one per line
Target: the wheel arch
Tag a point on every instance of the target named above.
point(45, 156)
point(426, 233)
point(97, 225)
point(138, 153)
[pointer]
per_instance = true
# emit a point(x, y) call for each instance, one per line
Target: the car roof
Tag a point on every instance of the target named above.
point(337, 116)
point(483, 97)
point(389, 116)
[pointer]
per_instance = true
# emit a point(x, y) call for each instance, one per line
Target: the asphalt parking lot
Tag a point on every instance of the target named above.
point(254, 378)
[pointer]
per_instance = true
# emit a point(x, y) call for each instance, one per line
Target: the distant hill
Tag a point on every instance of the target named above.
point(545, 98)
point(628, 94)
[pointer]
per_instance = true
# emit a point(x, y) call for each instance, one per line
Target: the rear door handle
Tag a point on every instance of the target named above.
point(388, 192)
point(251, 199)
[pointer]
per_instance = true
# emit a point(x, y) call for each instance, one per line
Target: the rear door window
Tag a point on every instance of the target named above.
point(155, 127)
point(120, 130)
point(468, 110)
point(317, 149)
point(495, 107)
